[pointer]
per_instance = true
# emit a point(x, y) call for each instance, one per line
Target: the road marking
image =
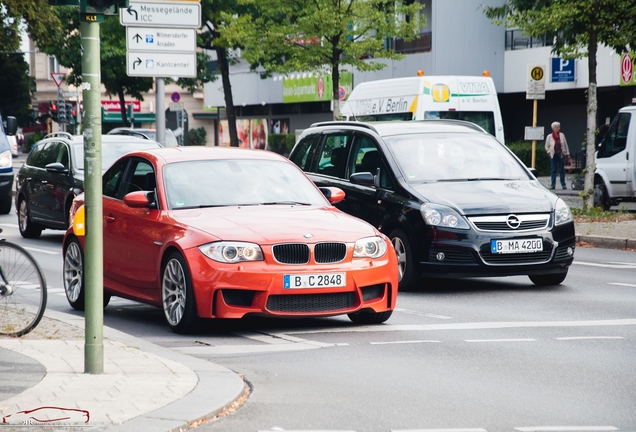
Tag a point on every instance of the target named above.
point(500, 340)
point(565, 428)
point(412, 312)
point(615, 266)
point(441, 430)
point(589, 337)
point(466, 326)
point(622, 284)
point(405, 342)
point(44, 251)
point(14, 226)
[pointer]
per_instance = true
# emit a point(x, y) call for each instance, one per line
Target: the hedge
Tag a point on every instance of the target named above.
point(523, 150)
point(281, 143)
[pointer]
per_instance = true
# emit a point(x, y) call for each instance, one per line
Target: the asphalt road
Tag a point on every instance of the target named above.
point(472, 355)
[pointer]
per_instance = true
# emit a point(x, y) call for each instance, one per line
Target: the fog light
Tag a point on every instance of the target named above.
point(441, 256)
point(570, 251)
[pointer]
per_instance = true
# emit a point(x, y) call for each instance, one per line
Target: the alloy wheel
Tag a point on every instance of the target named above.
point(73, 270)
point(173, 292)
point(400, 253)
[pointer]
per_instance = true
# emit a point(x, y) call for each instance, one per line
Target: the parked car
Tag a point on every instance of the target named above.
point(228, 232)
point(53, 174)
point(6, 164)
point(171, 139)
point(454, 200)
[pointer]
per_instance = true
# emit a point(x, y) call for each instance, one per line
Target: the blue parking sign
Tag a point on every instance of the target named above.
point(562, 70)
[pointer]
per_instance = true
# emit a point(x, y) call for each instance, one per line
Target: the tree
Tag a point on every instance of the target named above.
point(15, 91)
point(299, 36)
point(578, 27)
point(34, 13)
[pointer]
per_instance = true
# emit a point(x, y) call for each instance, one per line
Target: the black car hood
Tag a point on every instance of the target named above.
point(489, 196)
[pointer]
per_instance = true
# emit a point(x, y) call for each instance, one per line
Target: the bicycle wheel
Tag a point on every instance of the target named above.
point(22, 290)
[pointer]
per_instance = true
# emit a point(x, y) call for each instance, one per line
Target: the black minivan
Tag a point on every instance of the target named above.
point(454, 200)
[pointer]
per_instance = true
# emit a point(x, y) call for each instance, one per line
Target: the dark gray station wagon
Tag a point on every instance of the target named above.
point(454, 200)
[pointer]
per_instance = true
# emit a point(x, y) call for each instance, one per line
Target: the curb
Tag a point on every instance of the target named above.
point(217, 389)
point(607, 242)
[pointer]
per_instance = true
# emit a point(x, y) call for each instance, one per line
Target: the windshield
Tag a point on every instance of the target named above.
point(213, 183)
point(448, 157)
point(485, 119)
point(111, 152)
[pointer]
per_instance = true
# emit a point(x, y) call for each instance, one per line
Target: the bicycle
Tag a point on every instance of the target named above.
point(23, 291)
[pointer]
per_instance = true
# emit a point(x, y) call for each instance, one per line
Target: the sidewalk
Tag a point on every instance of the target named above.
point(143, 387)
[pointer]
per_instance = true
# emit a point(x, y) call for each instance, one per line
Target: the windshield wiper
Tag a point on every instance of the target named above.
point(285, 203)
point(488, 178)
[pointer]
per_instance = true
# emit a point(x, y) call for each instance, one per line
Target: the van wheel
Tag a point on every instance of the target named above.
point(601, 197)
point(406, 267)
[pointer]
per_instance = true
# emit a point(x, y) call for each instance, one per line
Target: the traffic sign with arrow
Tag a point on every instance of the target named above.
point(161, 39)
point(149, 14)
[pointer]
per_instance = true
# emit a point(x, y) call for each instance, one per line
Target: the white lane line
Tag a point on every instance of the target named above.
point(500, 340)
point(44, 251)
point(565, 428)
point(412, 312)
point(9, 225)
point(441, 430)
point(405, 342)
point(589, 337)
point(622, 284)
point(615, 266)
point(467, 326)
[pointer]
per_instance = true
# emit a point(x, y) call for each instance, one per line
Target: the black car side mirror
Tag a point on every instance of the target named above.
point(362, 178)
point(56, 167)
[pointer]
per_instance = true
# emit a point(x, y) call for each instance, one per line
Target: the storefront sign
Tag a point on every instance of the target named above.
point(314, 88)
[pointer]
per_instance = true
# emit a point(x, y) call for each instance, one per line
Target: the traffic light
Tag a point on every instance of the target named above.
point(53, 111)
point(61, 111)
point(70, 113)
point(102, 7)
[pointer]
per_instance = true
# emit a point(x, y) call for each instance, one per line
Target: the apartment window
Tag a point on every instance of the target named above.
point(54, 66)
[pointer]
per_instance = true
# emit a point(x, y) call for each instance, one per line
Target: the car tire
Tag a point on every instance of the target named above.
point(177, 298)
point(5, 205)
point(369, 317)
point(27, 228)
point(549, 279)
point(74, 276)
point(601, 197)
point(406, 267)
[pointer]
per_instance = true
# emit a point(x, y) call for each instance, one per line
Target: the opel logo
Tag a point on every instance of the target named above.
point(308, 235)
point(513, 222)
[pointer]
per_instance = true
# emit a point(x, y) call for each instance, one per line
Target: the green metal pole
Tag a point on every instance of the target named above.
point(93, 248)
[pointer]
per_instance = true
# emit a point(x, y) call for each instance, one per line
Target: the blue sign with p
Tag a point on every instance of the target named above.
point(562, 70)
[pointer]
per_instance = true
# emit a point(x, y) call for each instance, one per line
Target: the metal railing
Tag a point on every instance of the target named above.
point(421, 43)
point(515, 40)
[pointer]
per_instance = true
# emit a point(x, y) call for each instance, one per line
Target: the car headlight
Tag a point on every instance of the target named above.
point(5, 159)
point(442, 216)
point(232, 252)
point(562, 213)
point(370, 247)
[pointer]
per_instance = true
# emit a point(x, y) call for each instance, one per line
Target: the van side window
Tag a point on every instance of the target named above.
point(615, 140)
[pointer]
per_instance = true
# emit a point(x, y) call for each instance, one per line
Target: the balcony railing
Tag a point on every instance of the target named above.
point(422, 43)
point(515, 40)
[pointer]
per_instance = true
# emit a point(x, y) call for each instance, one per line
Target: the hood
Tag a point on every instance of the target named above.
point(275, 224)
point(489, 196)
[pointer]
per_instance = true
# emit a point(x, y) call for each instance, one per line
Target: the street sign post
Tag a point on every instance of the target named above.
point(143, 64)
point(149, 14)
point(161, 39)
point(535, 90)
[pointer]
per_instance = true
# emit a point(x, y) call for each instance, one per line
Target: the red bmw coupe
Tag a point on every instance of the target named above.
point(210, 232)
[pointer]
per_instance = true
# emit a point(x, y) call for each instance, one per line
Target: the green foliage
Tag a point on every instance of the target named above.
point(596, 214)
point(15, 93)
point(196, 137)
point(30, 139)
point(523, 150)
point(36, 14)
point(281, 143)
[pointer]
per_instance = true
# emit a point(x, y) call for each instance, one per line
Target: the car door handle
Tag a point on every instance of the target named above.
point(110, 219)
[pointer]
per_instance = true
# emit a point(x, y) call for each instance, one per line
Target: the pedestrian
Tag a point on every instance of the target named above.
point(557, 148)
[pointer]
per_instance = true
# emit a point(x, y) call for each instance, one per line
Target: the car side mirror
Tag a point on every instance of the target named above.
point(362, 178)
point(12, 125)
point(333, 194)
point(56, 167)
point(140, 199)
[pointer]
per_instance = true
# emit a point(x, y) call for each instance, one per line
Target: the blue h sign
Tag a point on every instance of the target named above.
point(562, 70)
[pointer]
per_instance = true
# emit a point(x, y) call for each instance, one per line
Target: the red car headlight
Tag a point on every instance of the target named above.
point(232, 252)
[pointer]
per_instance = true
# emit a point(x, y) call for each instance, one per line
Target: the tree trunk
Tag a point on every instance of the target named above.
point(224, 68)
point(122, 107)
point(335, 97)
point(590, 141)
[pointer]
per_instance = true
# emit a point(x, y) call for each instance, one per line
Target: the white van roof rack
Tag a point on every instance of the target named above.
point(63, 134)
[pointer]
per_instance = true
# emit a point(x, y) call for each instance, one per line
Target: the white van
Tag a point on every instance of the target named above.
point(615, 176)
point(470, 98)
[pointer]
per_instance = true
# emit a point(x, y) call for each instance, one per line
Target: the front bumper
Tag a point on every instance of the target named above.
point(468, 254)
point(257, 288)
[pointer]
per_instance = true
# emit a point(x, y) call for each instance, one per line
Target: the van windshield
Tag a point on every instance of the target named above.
point(485, 119)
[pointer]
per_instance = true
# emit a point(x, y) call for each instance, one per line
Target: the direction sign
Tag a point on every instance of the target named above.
point(149, 14)
point(161, 39)
point(148, 64)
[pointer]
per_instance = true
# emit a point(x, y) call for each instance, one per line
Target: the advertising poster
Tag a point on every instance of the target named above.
point(259, 133)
